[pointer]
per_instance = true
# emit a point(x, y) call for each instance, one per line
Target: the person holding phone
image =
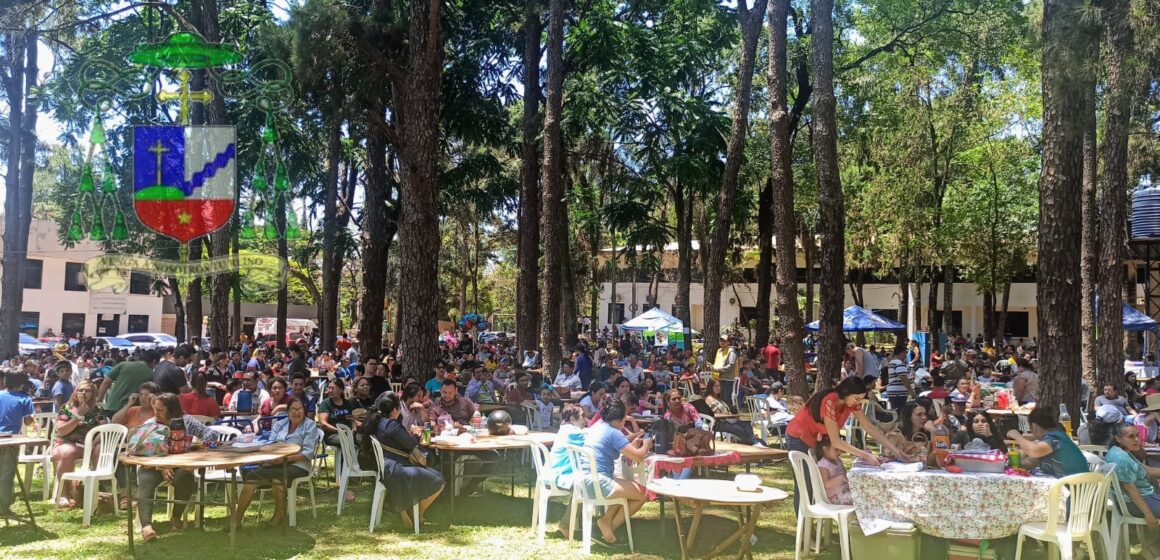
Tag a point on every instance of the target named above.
point(608, 442)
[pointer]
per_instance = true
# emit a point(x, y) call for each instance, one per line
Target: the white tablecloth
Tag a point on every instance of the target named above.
point(962, 506)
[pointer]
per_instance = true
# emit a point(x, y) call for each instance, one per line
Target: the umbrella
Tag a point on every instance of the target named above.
point(857, 319)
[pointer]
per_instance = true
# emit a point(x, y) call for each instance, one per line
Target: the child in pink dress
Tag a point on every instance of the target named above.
point(833, 473)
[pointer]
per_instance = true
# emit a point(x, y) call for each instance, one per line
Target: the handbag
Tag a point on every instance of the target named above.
point(416, 457)
point(663, 431)
point(149, 440)
point(692, 442)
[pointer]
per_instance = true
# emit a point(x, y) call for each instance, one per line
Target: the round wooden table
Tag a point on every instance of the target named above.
point(704, 492)
point(201, 460)
point(484, 444)
point(15, 442)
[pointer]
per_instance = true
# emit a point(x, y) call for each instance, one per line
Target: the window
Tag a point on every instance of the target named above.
point(138, 323)
point(74, 277)
point(748, 315)
point(615, 313)
point(30, 323)
point(139, 283)
point(1018, 324)
point(956, 321)
point(33, 270)
point(72, 323)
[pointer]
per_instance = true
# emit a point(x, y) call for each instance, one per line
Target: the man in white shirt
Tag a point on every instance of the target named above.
point(633, 371)
point(568, 377)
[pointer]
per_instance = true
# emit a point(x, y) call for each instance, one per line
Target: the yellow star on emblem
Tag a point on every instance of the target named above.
point(184, 218)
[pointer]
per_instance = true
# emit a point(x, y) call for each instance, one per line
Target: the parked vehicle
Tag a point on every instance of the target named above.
point(151, 341)
point(29, 345)
point(116, 343)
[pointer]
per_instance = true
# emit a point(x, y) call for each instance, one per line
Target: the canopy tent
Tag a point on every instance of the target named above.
point(664, 328)
point(1136, 321)
point(857, 319)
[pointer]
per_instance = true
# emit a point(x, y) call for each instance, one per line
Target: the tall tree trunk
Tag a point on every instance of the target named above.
point(903, 301)
point(1089, 254)
point(417, 94)
point(555, 244)
point(831, 206)
point(1113, 196)
point(1001, 329)
point(932, 320)
point(283, 305)
point(764, 262)
point(989, 315)
point(918, 304)
point(808, 248)
point(19, 75)
point(751, 20)
point(331, 274)
point(193, 307)
point(236, 287)
point(1060, 184)
point(178, 309)
point(375, 240)
point(949, 299)
point(218, 243)
point(684, 210)
point(528, 253)
point(569, 311)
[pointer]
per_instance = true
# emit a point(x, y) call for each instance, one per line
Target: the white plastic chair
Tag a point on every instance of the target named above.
point(1122, 519)
point(292, 492)
point(381, 493)
point(1086, 506)
point(1109, 529)
point(33, 455)
point(348, 468)
point(1097, 450)
point(814, 507)
point(212, 474)
point(546, 487)
point(588, 494)
point(109, 439)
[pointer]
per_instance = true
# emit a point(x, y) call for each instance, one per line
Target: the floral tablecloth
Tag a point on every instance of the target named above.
point(961, 506)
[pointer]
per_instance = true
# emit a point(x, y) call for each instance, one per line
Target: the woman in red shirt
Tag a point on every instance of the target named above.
point(825, 414)
point(198, 402)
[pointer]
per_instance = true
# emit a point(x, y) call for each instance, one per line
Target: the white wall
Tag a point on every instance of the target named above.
point(876, 296)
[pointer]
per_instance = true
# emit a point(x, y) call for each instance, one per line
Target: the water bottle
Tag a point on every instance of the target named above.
point(476, 421)
point(698, 424)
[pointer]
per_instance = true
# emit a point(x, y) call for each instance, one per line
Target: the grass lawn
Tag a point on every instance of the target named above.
point(494, 526)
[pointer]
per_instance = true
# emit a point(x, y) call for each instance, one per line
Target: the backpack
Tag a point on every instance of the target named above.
point(663, 431)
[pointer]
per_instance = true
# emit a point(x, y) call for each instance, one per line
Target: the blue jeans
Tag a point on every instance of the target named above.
point(1152, 501)
point(795, 444)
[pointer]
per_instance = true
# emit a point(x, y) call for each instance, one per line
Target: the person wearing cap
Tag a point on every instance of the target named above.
point(63, 389)
point(725, 363)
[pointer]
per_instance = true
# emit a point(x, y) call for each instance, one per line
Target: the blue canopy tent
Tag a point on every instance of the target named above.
point(1136, 321)
point(857, 319)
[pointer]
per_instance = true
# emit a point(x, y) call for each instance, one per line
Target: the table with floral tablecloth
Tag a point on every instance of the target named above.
point(946, 505)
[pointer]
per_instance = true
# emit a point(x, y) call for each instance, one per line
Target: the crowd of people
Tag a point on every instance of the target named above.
point(597, 398)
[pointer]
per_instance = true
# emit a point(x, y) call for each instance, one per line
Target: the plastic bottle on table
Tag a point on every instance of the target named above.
point(476, 421)
point(941, 438)
point(1065, 419)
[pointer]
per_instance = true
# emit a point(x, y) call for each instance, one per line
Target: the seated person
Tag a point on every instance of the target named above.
point(166, 407)
point(450, 407)
point(833, 473)
point(296, 428)
point(1111, 397)
point(568, 377)
point(1135, 485)
point(678, 411)
point(608, 443)
point(482, 387)
point(593, 401)
point(911, 437)
point(742, 429)
point(520, 391)
point(407, 484)
point(1049, 447)
point(979, 425)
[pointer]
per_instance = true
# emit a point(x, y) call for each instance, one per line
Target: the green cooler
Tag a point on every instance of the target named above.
point(902, 541)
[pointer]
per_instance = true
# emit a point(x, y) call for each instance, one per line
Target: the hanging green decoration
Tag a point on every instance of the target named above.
point(120, 230)
point(95, 202)
point(274, 193)
point(75, 233)
point(97, 232)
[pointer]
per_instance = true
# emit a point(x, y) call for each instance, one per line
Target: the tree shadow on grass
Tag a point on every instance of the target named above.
point(23, 533)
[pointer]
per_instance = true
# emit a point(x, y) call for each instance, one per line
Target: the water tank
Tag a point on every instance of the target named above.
point(1146, 209)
